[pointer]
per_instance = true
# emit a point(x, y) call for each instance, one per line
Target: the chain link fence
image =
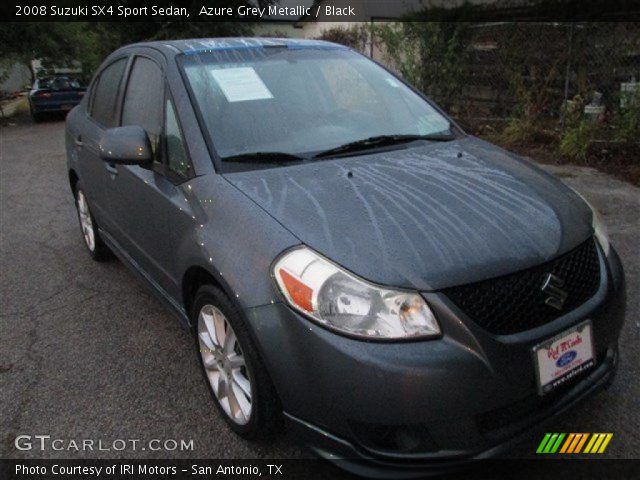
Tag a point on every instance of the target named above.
point(570, 85)
point(554, 73)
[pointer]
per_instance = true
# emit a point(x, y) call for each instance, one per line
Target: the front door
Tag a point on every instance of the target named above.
point(146, 195)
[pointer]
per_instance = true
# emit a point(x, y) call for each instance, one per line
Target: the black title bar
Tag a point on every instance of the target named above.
point(310, 10)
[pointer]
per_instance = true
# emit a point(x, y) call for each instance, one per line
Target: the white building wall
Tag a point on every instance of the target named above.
point(19, 76)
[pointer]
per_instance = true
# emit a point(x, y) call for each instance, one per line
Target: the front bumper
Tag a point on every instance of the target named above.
point(468, 395)
point(351, 457)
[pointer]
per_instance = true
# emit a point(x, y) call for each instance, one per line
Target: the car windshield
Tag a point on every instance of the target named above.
point(260, 104)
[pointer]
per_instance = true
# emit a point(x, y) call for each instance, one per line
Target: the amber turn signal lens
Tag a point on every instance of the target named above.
point(298, 291)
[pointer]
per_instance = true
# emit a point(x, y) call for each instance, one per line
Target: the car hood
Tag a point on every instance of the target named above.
point(426, 217)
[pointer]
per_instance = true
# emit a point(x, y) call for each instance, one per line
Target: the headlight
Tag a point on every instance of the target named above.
point(343, 302)
point(598, 226)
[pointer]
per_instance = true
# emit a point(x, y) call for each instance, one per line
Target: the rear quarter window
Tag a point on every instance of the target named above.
point(105, 94)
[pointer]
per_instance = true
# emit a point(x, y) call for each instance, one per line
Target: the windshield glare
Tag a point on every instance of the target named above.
point(301, 101)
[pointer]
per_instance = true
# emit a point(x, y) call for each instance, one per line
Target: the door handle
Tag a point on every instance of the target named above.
point(111, 168)
point(79, 141)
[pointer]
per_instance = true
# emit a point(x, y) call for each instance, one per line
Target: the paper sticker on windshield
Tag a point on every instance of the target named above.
point(241, 84)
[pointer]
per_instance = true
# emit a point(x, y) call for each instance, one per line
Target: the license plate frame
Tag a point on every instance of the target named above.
point(555, 364)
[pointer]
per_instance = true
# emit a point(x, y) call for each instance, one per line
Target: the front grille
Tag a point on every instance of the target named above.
point(515, 302)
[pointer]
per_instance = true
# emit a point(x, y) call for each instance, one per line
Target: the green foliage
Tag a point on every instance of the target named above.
point(628, 127)
point(515, 76)
point(576, 140)
point(520, 130)
point(355, 37)
point(627, 123)
point(432, 56)
point(533, 70)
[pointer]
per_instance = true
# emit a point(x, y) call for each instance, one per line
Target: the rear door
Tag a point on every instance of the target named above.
point(101, 113)
point(147, 197)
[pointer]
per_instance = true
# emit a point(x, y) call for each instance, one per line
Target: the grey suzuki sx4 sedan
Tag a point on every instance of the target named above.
point(354, 267)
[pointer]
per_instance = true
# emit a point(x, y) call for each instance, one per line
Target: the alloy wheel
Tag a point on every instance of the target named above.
point(85, 221)
point(224, 364)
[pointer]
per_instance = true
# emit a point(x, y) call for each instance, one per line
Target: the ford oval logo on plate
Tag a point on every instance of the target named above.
point(566, 358)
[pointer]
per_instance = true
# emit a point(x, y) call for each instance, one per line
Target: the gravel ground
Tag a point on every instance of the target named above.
point(87, 352)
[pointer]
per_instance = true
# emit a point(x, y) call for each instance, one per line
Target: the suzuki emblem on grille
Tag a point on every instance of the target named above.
point(556, 296)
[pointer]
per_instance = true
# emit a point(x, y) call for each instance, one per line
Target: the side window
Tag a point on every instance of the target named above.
point(177, 158)
point(143, 99)
point(103, 108)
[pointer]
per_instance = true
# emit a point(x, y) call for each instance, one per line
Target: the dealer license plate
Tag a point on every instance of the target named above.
point(563, 357)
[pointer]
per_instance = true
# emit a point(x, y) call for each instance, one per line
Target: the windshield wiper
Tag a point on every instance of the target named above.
point(383, 141)
point(266, 157)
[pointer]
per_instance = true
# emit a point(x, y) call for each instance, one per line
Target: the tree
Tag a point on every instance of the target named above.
point(356, 36)
point(61, 44)
point(433, 56)
point(55, 43)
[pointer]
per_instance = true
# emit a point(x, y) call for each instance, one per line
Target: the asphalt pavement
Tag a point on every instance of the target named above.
point(86, 352)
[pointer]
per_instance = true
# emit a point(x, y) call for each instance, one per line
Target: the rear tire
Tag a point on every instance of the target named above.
point(36, 116)
point(240, 388)
point(89, 228)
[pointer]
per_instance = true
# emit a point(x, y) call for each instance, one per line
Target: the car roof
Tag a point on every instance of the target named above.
point(195, 46)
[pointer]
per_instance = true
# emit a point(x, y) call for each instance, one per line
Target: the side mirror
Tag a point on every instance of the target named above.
point(126, 146)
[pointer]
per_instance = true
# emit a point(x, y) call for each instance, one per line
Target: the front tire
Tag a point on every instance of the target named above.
point(89, 228)
point(237, 379)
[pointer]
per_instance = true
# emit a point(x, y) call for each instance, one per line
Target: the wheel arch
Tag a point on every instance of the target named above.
point(196, 276)
point(73, 180)
point(193, 278)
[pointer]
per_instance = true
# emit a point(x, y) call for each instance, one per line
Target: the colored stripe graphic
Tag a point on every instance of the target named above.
point(592, 440)
point(550, 443)
point(573, 443)
point(555, 447)
point(605, 442)
point(567, 442)
point(543, 443)
point(576, 439)
point(583, 439)
point(598, 443)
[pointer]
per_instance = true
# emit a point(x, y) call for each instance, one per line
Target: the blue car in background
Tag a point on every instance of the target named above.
point(55, 94)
